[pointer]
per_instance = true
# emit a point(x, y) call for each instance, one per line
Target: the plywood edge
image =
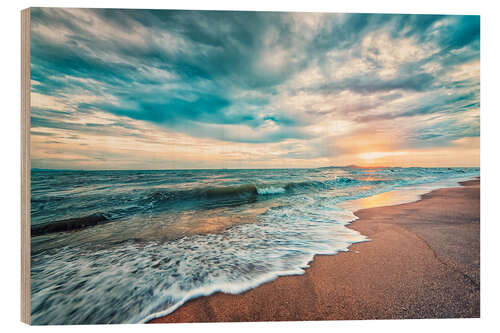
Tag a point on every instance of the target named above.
point(25, 166)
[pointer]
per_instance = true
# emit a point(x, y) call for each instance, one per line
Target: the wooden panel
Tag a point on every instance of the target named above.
point(25, 165)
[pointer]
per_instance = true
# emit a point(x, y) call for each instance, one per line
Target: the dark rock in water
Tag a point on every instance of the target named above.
point(68, 224)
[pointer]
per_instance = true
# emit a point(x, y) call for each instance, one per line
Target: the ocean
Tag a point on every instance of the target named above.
point(129, 246)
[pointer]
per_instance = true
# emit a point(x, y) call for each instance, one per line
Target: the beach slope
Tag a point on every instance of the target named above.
point(422, 262)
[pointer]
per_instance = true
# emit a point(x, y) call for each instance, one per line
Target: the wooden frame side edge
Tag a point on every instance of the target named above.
point(25, 167)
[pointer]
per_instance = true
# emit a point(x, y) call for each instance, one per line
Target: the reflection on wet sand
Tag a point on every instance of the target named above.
point(394, 197)
point(382, 199)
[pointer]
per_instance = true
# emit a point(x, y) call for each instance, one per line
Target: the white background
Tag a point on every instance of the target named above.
point(490, 140)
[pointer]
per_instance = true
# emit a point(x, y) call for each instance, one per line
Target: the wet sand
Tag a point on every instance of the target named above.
point(422, 262)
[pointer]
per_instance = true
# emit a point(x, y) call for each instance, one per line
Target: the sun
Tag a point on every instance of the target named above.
point(377, 155)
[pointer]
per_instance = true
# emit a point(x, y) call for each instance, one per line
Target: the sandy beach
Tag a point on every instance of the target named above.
point(422, 262)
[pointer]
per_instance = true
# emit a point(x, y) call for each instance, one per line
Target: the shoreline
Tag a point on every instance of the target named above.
point(422, 262)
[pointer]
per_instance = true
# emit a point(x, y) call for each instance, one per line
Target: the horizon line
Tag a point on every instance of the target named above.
point(325, 167)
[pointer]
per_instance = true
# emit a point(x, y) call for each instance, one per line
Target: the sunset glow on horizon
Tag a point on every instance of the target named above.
point(160, 89)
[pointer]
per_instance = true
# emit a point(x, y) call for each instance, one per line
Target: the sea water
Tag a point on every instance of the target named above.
point(172, 235)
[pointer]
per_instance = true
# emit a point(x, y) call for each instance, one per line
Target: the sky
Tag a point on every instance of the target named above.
point(159, 89)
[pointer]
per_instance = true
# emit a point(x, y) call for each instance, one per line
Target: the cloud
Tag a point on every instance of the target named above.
point(253, 77)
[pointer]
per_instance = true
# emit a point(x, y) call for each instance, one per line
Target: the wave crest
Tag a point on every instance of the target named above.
point(270, 190)
point(247, 190)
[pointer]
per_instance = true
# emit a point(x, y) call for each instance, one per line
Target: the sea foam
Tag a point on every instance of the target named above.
point(270, 190)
